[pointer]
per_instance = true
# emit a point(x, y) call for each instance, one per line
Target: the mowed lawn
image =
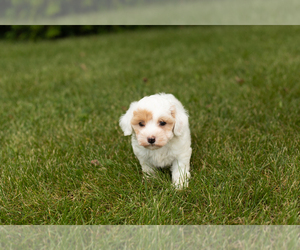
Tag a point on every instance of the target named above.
point(64, 159)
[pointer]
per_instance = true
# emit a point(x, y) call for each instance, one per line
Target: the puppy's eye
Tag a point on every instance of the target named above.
point(141, 124)
point(162, 123)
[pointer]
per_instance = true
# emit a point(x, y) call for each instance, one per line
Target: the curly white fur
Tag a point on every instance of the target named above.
point(160, 135)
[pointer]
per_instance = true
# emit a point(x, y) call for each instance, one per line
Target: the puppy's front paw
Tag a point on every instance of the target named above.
point(181, 181)
point(148, 175)
point(181, 185)
point(148, 171)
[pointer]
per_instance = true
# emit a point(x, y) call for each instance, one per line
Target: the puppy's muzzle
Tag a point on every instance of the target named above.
point(151, 140)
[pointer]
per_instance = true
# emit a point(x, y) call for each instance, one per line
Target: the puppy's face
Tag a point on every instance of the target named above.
point(153, 130)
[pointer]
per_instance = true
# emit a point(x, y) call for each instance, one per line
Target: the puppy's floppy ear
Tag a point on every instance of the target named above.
point(125, 120)
point(181, 119)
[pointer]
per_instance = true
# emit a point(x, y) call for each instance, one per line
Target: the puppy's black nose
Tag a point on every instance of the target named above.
point(151, 140)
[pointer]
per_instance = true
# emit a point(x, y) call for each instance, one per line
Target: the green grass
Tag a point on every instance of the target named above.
point(150, 237)
point(60, 105)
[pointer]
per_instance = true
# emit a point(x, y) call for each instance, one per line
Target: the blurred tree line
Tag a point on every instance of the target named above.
point(33, 9)
point(37, 32)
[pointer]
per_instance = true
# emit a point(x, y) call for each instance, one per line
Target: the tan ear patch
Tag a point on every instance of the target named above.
point(141, 115)
point(173, 112)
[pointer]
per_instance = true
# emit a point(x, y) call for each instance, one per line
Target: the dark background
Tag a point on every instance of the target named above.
point(41, 32)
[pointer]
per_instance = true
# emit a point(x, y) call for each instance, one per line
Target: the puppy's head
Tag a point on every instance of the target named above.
point(153, 130)
point(154, 120)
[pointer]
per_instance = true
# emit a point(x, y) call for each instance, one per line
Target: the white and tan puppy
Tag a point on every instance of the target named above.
point(160, 135)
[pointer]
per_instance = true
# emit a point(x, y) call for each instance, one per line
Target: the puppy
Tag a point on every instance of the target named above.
point(160, 135)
